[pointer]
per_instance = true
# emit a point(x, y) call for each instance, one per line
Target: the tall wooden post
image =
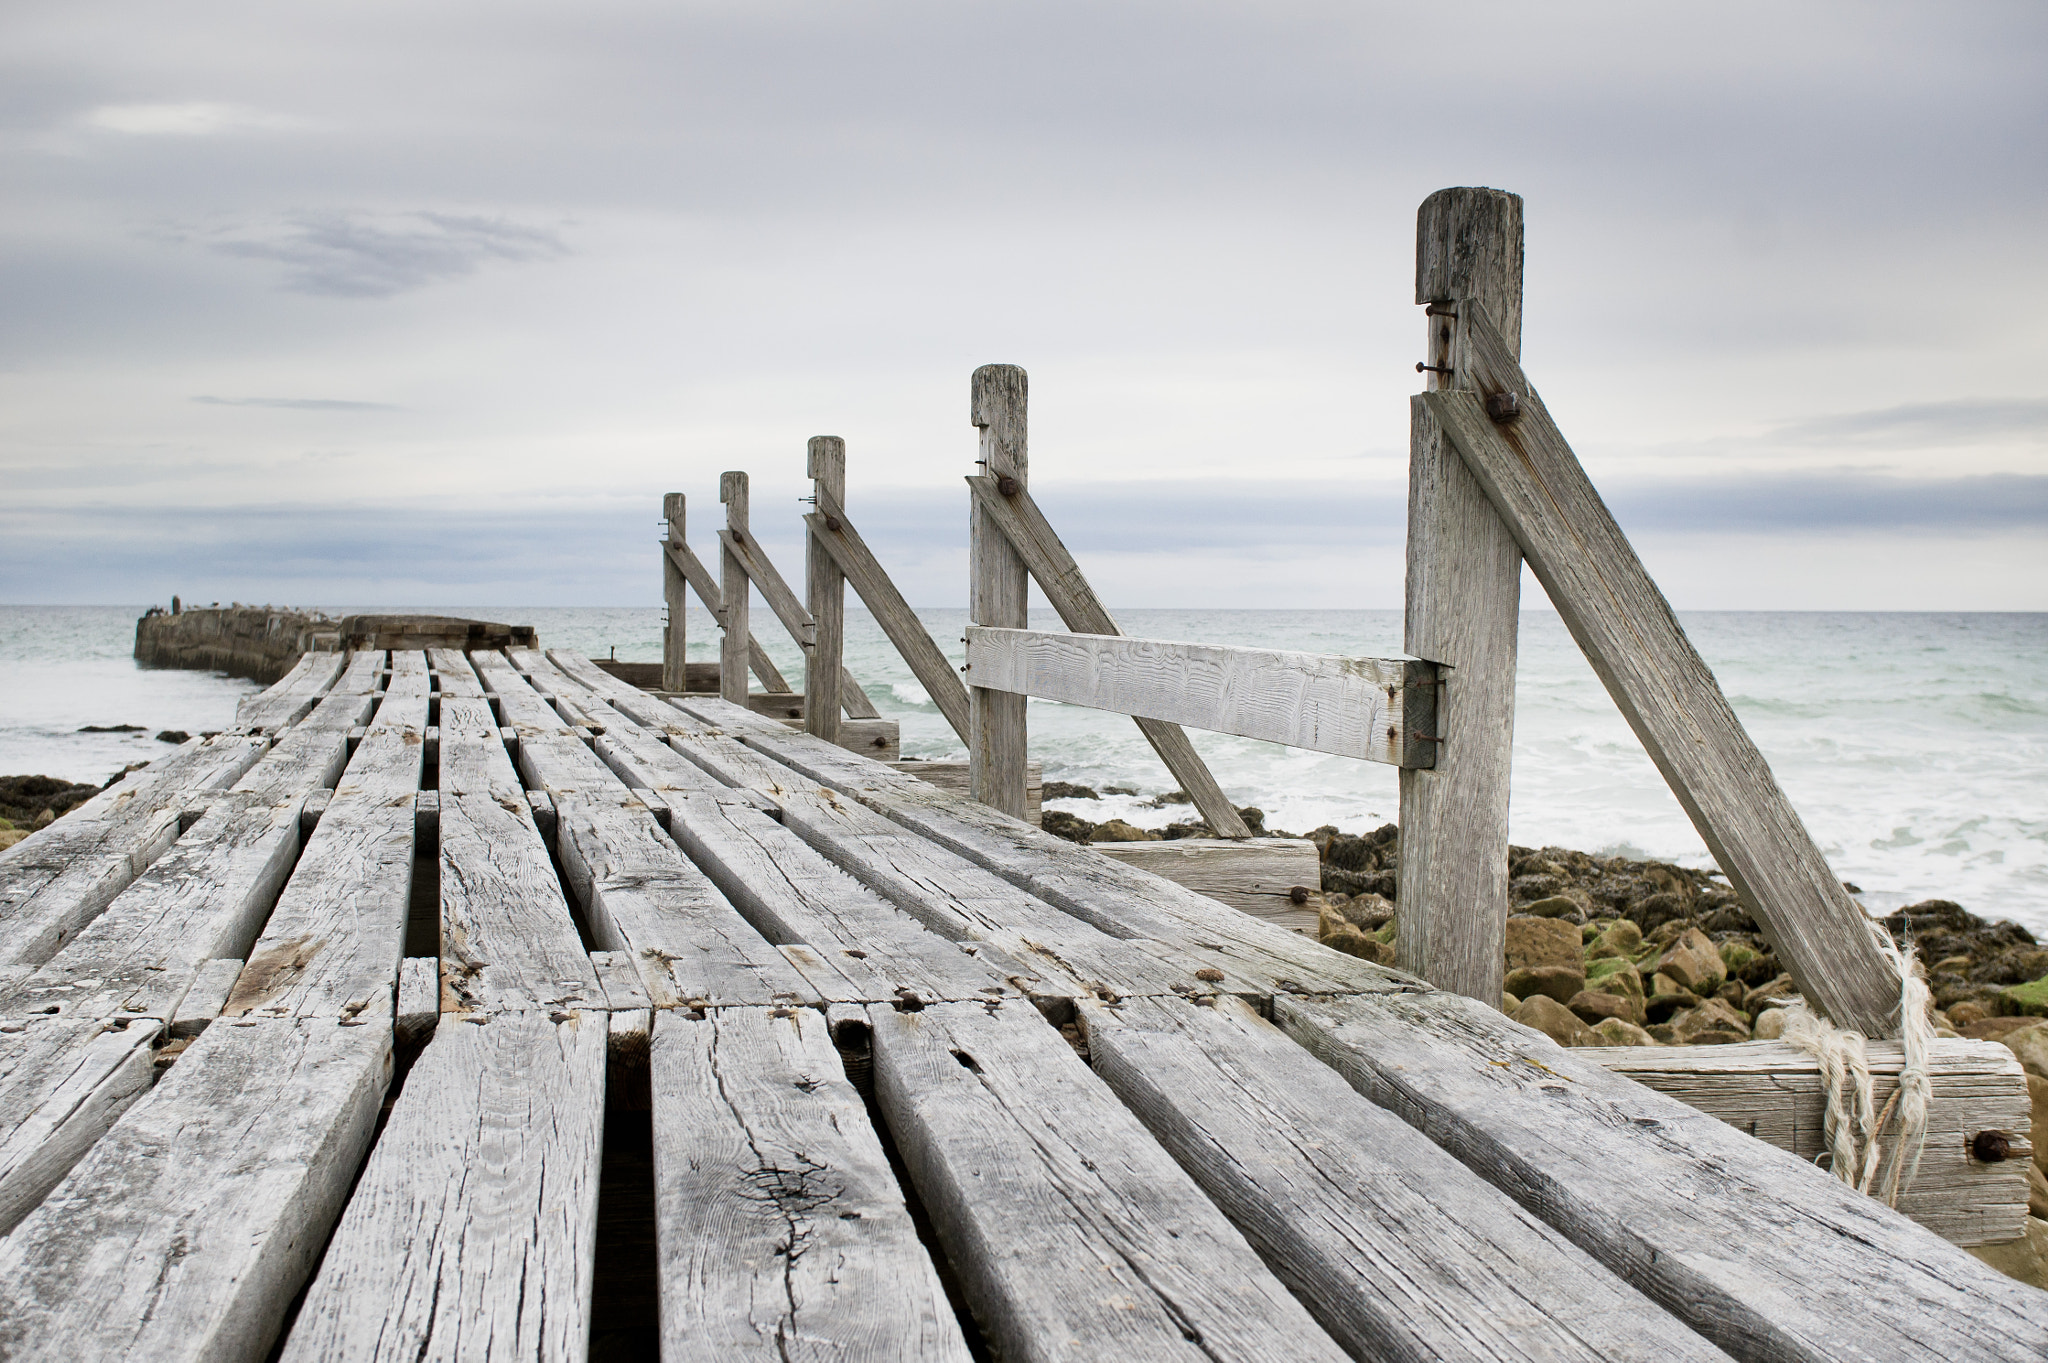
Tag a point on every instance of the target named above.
point(735, 592)
point(673, 585)
point(825, 594)
point(997, 590)
point(1463, 607)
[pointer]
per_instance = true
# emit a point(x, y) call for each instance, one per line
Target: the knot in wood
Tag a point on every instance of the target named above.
point(1503, 408)
point(1007, 485)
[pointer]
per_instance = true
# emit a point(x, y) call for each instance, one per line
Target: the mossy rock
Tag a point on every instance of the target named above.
point(2025, 1000)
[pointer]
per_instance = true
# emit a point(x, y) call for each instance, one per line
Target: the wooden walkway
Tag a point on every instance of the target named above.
point(309, 1037)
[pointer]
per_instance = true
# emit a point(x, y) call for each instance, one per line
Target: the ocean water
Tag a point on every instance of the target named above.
point(1915, 746)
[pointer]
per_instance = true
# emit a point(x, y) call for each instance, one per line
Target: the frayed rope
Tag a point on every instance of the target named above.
point(1854, 1134)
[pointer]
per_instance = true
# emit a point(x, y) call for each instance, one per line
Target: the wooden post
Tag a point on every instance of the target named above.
point(1463, 604)
point(825, 592)
point(997, 590)
point(672, 588)
point(735, 592)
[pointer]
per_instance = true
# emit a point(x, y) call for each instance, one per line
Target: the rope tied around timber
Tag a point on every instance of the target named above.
point(1853, 1134)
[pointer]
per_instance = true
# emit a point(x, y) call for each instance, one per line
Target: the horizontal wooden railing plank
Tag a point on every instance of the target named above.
point(1353, 707)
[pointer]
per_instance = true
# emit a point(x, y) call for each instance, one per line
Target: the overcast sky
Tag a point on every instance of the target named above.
point(416, 304)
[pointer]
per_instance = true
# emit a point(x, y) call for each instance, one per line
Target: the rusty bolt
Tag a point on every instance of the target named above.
point(738, 537)
point(831, 522)
point(1006, 485)
point(1422, 368)
point(1299, 894)
point(1990, 1146)
point(1503, 408)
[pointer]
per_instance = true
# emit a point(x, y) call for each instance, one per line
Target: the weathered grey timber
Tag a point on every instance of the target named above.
point(1017, 518)
point(706, 586)
point(1463, 595)
point(202, 1003)
point(62, 1084)
point(1256, 875)
point(781, 1230)
point(892, 613)
point(59, 878)
point(1772, 1092)
point(952, 775)
point(1370, 708)
point(825, 593)
point(294, 696)
point(473, 1230)
point(674, 638)
point(1663, 687)
point(419, 999)
point(332, 945)
point(472, 756)
point(507, 940)
point(1073, 1234)
point(997, 589)
point(1399, 1251)
point(184, 1233)
point(1799, 1266)
point(733, 589)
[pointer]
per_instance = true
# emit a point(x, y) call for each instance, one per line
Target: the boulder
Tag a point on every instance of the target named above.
point(2025, 1259)
point(1542, 941)
point(1555, 1021)
point(1618, 1032)
point(2037, 1094)
point(1693, 961)
point(1624, 938)
point(1333, 932)
point(1370, 912)
point(1509, 1003)
point(2030, 1044)
point(1116, 830)
point(1765, 995)
point(1558, 982)
point(1710, 1022)
point(1594, 1008)
point(1562, 906)
point(2025, 1000)
point(1769, 1025)
point(1967, 1012)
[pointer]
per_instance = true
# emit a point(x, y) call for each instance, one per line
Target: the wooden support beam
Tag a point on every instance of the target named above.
point(706, 586)
point(1026, 529)
point(1379, 709)
point(1463, 596)
point(802, 627)
point(1259, 876)
point(830, 527)
point(998, 589)
point(825, 589)
point(673, 595)
point(734, 589)
point(1663, 687)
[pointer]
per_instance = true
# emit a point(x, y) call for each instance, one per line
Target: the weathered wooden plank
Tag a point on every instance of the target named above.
point(953, 776)
point(1463, 608)
point(1017, 516)
point(825, 592)
point(1773, 1092)
point(1256, 875)
point(62, 1084)
point(1399, 1251)
point(203, 1001)
point(781, 1231)
point(998, 589)
point(1352, 707)
point(332, 945)
point(674, 637)
point(706, 587)
point(1664, 688)
point(732, 585)
point(473, 1230)
point(1072, 1233)
point(59, 878)
point(830, 528)
point(880, 739)
point(287, 700)
point(1757, 1250)
point(1189, 929)
point(507, 940)
point(187, 1229)
point(419, 999)
point(800, 623)
point(472, 756)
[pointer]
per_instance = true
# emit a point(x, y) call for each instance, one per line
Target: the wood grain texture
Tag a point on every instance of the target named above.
point(953, 776)
point(1768, 1090)
point(62, 1084)
point(207, 996)
point(1194, 932)
point(733, 589)
point(185, 1232)
point(59, 878)
point(1028, 532)
point(1757, 1250)
point(998, 590)
point(825, 592)
point(674, 596)
point(1073, 1234)
point(1351, 707)
point(507, 941)
point(473, 1231)
point(781, 1230)
point(1664, 689)
point(1399, 1251)
point(706, 587)
point(333, 942)
point(891, 612)
point(472, 755)
point(795, 618)
point(1256, 875)
point(288, 700)
point(1463, 608)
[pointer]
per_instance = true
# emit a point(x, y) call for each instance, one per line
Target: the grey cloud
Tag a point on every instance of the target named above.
point(1926, 424)
point(300, 404)
point(352, 255)
point(1836, 502)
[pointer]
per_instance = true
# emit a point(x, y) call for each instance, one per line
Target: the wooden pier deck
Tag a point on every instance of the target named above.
point(309, 1038)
